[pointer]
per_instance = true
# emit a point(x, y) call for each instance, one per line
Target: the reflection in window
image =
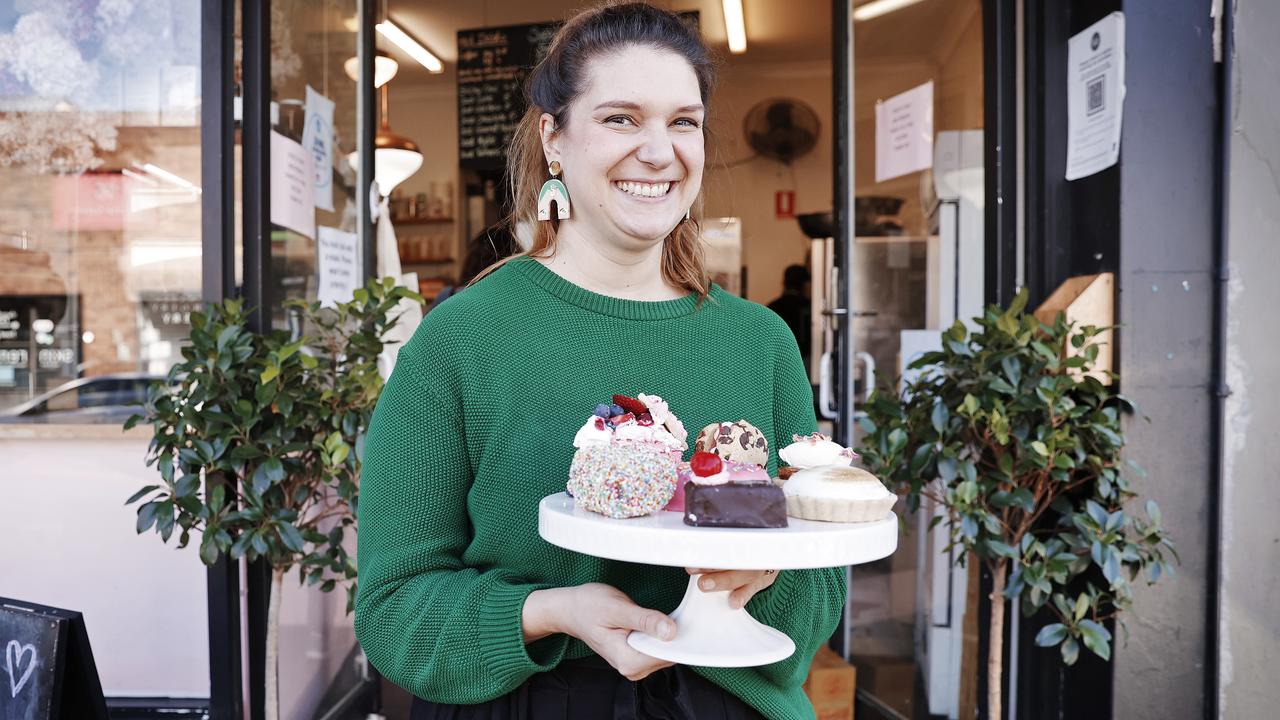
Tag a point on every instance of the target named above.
point(100, 218)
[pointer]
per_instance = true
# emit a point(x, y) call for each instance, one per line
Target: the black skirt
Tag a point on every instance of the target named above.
point(590, 689)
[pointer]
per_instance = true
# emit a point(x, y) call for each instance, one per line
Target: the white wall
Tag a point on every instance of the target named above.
point(69, 541)
point(1249, 640)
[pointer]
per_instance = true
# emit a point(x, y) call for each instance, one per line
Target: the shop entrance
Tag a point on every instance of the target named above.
point(883, 239)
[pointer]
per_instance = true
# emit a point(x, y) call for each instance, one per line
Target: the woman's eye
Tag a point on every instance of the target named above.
point(688, 122)
point(618, 120)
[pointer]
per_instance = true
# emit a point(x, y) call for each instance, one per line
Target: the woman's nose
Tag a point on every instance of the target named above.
point(656, 148)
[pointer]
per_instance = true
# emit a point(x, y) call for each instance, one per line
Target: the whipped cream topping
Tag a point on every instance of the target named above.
point(666, 432)
point(663, 417)
point(816, 450)
point(840, 483)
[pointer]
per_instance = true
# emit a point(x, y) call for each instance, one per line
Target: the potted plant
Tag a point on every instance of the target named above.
point(258, 437)
point(1006, 429)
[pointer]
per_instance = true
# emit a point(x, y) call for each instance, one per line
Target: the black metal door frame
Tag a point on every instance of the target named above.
point(217, 147)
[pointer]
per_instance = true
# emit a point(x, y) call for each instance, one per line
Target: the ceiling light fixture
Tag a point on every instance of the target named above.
point(876, 8)
point(405, 42)
point(395, 157)
point(385, 67)
point(734, 26)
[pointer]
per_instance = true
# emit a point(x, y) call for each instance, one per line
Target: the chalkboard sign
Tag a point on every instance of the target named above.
point(47, 671)
point(493, 64)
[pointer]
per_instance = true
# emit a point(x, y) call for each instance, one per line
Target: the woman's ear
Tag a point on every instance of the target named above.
point(550, 138)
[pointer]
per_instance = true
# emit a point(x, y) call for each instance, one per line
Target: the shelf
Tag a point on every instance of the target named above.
point(425, 261)
point(422, 221)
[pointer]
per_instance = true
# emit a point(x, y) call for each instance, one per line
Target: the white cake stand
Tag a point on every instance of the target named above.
point(710, 633)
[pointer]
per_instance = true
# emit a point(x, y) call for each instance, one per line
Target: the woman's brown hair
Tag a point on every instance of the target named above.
point(558, 80)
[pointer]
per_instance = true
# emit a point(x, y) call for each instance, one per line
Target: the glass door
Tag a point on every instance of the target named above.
point(910, 265)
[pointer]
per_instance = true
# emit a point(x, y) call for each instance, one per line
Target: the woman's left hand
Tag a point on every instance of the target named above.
point(741, 584)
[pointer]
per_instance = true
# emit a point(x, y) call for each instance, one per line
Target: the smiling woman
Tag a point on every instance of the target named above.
point(460, 601)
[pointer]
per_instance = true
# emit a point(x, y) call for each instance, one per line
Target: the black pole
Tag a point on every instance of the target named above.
point(1219, 388)
point(366, 125)
point(999, 40)
point(217, 205)
point(256, 216)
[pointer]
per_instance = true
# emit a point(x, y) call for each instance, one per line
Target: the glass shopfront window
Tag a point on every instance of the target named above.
point(100, 267)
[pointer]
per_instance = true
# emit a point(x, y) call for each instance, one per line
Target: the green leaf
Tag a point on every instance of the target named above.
point(269, 373)
point(1001, 549)
point(897, 440)
point(226, 336)
point(1070, 651)
point(141, 493)
point(970, 404)
point(290, 536)
point(1039, 447)
point(1012, 370)
point(1096, 638)
point(1024, 500)
point(208, 550)
point(147, 516)
point(1153, 512)
point(999, 385)
point(940, 416)
point(1051, 635)
point(1082, 605)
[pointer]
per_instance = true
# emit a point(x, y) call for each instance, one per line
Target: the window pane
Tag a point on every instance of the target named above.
point(100, 255)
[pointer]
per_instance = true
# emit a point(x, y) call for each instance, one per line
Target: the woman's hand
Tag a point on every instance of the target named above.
point(601, 616)
point(741, 584)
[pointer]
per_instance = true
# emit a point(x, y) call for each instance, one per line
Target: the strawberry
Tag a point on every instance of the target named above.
point(644, 419)
point(621, 419)
point(705, 464)
point(630, 404)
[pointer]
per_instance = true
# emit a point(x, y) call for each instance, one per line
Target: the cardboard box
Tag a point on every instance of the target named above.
point(831, 685)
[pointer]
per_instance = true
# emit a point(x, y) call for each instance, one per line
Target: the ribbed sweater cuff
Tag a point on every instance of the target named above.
point(774, 605)
point(500, 636)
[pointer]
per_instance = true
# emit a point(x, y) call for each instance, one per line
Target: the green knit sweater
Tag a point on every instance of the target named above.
point(476, 425)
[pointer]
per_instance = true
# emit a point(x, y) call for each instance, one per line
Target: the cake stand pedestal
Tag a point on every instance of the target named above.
point(709, 632)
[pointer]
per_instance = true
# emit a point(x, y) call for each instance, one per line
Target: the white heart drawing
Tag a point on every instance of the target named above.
point(13, 654)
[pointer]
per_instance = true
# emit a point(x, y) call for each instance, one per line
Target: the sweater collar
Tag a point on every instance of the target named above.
point(548, 280)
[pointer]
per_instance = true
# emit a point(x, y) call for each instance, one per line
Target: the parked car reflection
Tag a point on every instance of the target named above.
point(99, 399)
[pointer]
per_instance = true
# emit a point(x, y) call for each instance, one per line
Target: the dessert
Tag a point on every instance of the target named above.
point(835, 493)
point(737, 441)
point(722, 493)
point(811, 451)
point(626, 457)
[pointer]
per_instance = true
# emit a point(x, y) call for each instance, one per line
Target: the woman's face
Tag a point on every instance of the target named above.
point(632, 148)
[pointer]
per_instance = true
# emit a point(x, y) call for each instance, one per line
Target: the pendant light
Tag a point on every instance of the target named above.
point(385, 67)
point(395, 157)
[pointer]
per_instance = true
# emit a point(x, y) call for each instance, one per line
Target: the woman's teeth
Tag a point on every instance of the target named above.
point(643, 189)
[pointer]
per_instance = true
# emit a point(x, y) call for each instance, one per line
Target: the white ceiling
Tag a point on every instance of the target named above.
point(778, 31)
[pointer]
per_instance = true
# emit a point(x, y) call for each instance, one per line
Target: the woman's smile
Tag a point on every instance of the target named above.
point(645, 191)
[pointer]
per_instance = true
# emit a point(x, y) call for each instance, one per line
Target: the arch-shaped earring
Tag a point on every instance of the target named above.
point(553, 191)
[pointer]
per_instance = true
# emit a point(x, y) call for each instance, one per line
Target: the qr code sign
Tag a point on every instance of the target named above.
point(1095, 97)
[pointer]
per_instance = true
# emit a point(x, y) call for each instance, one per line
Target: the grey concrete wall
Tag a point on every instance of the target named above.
point(1165, 283)
point(1249, 641)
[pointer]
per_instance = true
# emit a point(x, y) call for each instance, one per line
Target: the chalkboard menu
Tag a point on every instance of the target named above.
point(492, 66)
point(47, 670)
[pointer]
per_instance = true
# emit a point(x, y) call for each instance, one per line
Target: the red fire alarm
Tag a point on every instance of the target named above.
point(784, 204)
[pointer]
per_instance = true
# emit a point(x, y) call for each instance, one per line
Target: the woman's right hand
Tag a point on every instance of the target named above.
point(601, 616)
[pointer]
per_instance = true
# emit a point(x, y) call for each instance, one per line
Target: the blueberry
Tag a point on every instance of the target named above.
point(615, 410)
point(603, 410)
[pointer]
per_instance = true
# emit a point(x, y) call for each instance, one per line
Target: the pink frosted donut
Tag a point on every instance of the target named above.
point(622, 480)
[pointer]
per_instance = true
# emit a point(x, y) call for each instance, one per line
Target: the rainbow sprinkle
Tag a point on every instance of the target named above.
point(622, 481)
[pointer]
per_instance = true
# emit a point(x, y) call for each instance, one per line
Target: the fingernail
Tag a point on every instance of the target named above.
point(707, 584)
point(668, 631)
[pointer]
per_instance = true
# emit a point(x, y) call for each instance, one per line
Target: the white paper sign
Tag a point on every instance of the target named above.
point(1095, 96)
point(293, 202)
point(317, 138)
point(338, 267)
point(904, 133)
